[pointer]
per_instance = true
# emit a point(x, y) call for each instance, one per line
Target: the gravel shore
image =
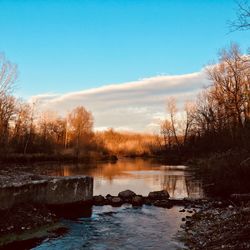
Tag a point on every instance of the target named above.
point(218, 225)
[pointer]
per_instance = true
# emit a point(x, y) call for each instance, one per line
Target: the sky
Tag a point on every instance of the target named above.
point(69, 52)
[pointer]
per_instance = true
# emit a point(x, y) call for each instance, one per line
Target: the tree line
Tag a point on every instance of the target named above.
point(25, 130)
point(22, 131)
point(219, 119)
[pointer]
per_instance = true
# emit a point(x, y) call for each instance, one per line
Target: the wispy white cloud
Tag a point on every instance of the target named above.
point(136, 105)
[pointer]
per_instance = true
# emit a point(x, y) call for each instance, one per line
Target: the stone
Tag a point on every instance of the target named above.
point(158, 195)
point(163, 203)
point(137, 200)
point(99, 200)
point(116, 201)
point(109, 197)
point(147, 201)
point(127, 194)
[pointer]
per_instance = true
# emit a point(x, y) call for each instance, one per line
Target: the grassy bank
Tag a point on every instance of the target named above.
point(224, 173)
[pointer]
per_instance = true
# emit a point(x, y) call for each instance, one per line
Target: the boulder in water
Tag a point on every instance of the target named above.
point(127, 194)
point(99, 200)
point(137, 200)
point(116, 201)
point(158, 195)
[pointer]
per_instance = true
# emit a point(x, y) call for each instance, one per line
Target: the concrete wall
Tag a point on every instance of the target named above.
point(51, 191)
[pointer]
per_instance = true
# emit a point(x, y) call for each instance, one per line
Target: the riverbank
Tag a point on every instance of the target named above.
point(70, 158)
point(24, 217)
point(31, 202)
point(223, 173)
point(218, 225)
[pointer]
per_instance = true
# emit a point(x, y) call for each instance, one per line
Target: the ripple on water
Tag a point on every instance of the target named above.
point(121, 228)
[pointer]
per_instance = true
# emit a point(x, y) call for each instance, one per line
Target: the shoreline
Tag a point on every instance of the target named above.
point(47, 158)
point(218, 226)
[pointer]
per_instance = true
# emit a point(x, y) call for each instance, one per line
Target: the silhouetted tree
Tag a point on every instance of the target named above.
point(242, 21)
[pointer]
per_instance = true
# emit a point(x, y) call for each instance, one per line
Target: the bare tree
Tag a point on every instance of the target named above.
point(21, 125)
point(231, 84)
point(8, 74)
point(223, 108)
point(81, 123)
point(166, 132)
point(189, 110)
point(172, 110)
point(242, 21)
point(31, 128)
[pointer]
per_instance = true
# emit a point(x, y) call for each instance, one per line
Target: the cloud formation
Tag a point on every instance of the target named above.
point(135, 106)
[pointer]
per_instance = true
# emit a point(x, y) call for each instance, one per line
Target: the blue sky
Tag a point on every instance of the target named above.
point(65, 46)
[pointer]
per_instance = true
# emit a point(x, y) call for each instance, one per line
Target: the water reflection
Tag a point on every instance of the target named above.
point(141, 176)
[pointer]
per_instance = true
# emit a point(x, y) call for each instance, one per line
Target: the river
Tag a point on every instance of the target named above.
point(125, 227)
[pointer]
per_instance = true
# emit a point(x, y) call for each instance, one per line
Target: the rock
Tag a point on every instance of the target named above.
point(116, 201)
point(245, 163)
point(182, 210)
point(147, 201)
point(163, 203)
point(158, 195)
point(219, 204)
point(127, 194)
point(246, 210)
point(109, 197)
point(99, 200)
point(241, 197)
point(137, 200)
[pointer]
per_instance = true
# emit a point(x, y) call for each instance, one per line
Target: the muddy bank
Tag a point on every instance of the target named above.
point(33, 222)
point(218, 225)
point(25, 217)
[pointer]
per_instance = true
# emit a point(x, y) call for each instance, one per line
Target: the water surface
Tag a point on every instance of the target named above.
point(126, 227)
point(121, 228)
point(141, 176)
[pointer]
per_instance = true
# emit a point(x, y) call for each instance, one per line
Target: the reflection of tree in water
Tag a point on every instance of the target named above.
point(141, 175)
point(180, 186)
